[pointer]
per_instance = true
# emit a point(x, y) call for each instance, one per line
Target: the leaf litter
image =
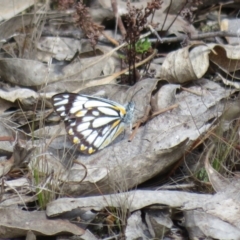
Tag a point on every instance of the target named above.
point(178, 110)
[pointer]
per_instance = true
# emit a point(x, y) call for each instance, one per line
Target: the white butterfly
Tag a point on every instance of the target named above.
point(92, 122)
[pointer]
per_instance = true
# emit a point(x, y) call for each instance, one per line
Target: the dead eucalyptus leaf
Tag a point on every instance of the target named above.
point(23, 95)
point(184, 65)
point(226, 57)
point(11, 8)
point(14, 25)
point(159, 221)
point(33, 73)
point(21, 153)
point(31, 236)
point(22, 187)
point(165, 97)
point(218, 217)
point(88, 236)
point(10, 27)
point(201, 225)
point(16, 223)
point(6, 166)
point(192, 62)
point(13, 199)
point(132, 200)
point(231, 113)
point(156, 146)
point(120, 173)
point(23, 72)
point(6, 145)
point(230, 25)
point(135, 227)
point(58, 48)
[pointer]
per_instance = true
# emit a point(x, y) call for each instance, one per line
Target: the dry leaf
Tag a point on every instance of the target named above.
point(16, 223)
point(135, 227)
point(184, 65)
point(10, 8)
point(132, 200)
point(156, 146)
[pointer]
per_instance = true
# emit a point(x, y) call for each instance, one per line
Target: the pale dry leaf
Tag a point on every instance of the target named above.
point(21, 153)
point(23, 72)
point(184, 65)
point(14, 25)
point(116, 173)
point(132, 200)
point(165, 137)
point(135, 228)
point(10, 8)
point(230, 83)
point(6, 146)
point(6, 166)
point(88, 236)
point(159, 221)
point(58, 48)
point(226, 57)
point(219, 215)
point(200, 225)
point(192, 62)
point(16, 184)
point(13, 199)
point(231, 113)
point(199, 58)
point(165, 97)
point(231, 25)
point(20, 94)
point(225, 208)
point(16, 223)
point(33, 73)
point(31, 236)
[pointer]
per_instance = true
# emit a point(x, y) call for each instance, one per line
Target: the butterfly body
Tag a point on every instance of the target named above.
point(92, 122)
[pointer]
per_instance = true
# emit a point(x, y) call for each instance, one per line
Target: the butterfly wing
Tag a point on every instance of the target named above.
point(91, 122)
